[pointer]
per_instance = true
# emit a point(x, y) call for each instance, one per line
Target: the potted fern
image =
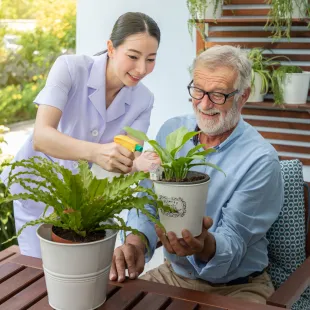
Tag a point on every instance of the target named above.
point(184, 190)
point(203, 9)
point(281, 14)
point(291, 85)
point(261, 73)
point(77, 239)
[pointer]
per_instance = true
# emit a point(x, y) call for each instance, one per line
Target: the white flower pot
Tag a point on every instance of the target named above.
point(76, 274)
point(299, 9)
point(295, 88)
point(209, 12)
point(256, 95)
point(188, 199)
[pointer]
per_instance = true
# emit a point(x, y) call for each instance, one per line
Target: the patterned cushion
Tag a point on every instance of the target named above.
point(287, 236)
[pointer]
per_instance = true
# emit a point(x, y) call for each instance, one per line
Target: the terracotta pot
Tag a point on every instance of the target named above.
point(58, 239)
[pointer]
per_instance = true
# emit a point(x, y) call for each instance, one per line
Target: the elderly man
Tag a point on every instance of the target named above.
point(230, 256)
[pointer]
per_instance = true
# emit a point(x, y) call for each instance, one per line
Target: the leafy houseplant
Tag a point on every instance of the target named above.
point(281, 14)
point(261, 73)
point(290, 85)
point(176, 168)
point(197, 9)
point(83, 210)
point(184, 190)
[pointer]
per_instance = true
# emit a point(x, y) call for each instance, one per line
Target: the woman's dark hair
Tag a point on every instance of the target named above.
point(132, 23)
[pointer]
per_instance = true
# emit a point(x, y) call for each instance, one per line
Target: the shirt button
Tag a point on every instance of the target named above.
point(94, 133)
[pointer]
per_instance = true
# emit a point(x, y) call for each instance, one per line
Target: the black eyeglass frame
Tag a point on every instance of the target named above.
point(226, 96)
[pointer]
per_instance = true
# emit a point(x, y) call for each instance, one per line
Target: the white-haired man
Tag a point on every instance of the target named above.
point(230, 256)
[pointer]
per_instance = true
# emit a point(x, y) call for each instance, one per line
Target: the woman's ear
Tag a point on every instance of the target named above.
point(111, 49)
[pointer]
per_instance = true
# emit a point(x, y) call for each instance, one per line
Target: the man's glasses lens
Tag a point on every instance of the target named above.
point(198, 94)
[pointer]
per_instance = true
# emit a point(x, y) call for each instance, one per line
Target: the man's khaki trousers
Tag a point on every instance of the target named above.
point(258, 290)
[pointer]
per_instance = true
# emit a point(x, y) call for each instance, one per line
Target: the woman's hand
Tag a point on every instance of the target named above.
point(114, 157)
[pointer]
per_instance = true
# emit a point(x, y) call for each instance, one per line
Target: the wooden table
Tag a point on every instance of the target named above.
point(22, 286)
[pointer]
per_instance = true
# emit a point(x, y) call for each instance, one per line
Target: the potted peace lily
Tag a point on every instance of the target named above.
point(291, 85)
point(77, 239)
point(182, 189)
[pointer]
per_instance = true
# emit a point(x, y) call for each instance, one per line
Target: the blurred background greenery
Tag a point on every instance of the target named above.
point(26, 56)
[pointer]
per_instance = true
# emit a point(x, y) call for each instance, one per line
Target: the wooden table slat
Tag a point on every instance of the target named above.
point(5, 255)
point(111, 290)
point(179, 304)
point(153, 302)
point(8, 270)
point(211, 308)
point(28, 261)
point(123, 299)
point(27, 297)
point(42, 304)
point(18, 282)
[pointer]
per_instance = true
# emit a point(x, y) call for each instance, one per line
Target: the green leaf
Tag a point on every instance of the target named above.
point(175, 138)
point(186, 137)
point(162, 152)
point(136, 134)
point(85, 173)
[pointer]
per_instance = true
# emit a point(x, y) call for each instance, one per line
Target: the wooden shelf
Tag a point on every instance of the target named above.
point(257, 21)
point(269, 104)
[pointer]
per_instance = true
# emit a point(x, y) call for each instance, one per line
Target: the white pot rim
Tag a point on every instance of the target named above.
point(297, 74)
point(74, 244)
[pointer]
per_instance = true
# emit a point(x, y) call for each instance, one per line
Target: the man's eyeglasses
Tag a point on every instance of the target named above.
point(215, 97)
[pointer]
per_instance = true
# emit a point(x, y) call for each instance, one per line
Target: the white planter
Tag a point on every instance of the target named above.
point(209, 12)
point(76, 274)
point(299, 9)
point(189, 199)
point(256, 95)
point(295, 88)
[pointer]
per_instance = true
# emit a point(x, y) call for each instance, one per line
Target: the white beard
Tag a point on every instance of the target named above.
point(221, 124)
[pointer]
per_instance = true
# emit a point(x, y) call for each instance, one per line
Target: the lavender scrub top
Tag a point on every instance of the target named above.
point(76, 86)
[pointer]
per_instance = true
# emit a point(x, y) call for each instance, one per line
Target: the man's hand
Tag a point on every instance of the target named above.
point(202, 246)
point(128, 256)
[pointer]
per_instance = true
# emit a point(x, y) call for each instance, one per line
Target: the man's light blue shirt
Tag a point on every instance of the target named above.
point(243, 205)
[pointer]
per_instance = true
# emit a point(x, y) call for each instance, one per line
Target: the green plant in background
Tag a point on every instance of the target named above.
point(7, 225)
point(197, 10)
point(263, 66)
point(176, 168)
point(23, 72)
point(278, 77)
point(280, 16)
point(81, 203)
point(16, 101)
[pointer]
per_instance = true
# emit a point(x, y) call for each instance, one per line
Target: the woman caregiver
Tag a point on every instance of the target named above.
point(85, 103)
